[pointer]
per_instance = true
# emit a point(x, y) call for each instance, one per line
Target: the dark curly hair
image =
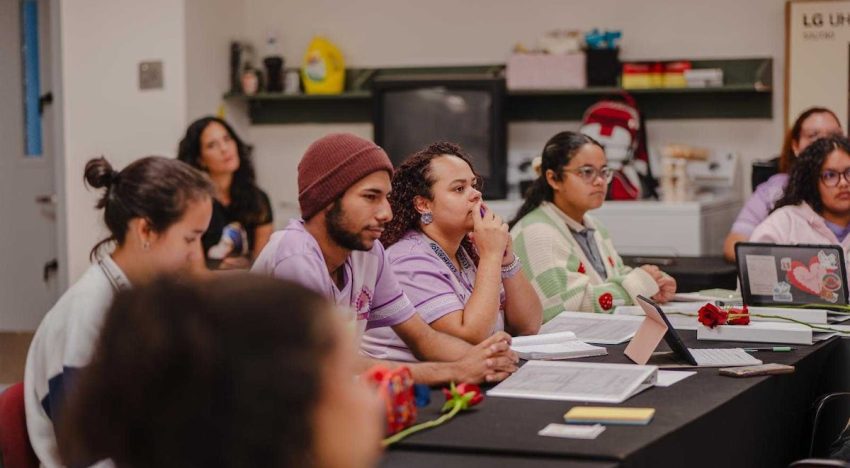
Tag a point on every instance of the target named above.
point(787, 156)
point(414, 178)
point(246, 199)
point(225, 373)
point(805, 174)
point(557, 153)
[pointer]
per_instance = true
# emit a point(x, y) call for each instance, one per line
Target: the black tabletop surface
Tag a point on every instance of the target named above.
point(698, 413)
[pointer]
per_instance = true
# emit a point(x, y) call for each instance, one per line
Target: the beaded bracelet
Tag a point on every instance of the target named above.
point(510, 270)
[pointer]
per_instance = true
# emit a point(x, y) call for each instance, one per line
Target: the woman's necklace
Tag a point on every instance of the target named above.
point(462, 259)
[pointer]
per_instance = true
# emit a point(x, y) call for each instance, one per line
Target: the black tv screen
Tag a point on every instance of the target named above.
point(412, 113)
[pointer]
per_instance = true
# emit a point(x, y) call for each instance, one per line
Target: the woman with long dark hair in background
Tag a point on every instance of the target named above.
point(242, 214)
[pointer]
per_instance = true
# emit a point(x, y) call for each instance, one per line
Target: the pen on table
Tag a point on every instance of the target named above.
point(778, 349)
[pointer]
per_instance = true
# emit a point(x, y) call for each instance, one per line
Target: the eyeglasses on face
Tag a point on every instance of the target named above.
point(831, 178)
point(589, 173)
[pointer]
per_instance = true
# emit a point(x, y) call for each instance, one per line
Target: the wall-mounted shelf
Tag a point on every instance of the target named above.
point(747, 94)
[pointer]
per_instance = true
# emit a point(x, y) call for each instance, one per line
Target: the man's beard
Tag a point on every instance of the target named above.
point(345, 239)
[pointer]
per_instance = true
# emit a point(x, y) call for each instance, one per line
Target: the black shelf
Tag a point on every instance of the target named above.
point(746, 94)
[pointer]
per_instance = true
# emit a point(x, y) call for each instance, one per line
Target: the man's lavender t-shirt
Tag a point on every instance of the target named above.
point(370, 291)
point(760, 204)
point(432, 286)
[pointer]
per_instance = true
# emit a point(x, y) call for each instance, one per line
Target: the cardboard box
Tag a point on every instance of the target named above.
point(546, 71)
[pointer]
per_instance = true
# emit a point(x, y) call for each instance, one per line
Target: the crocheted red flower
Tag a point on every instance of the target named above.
point(606, 301)
point(611, 261)
point(581, 268)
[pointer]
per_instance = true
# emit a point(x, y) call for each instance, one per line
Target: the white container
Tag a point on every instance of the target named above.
point(704, 77)
point(546, 71)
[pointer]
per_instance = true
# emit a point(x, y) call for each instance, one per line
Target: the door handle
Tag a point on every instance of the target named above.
point(50, 267)
point(49, 199)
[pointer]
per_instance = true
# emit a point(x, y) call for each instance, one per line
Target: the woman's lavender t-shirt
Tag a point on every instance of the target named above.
point(760, 204)
point(370, 291)
point(431, 285)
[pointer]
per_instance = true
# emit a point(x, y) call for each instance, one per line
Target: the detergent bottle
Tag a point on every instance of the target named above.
point(323, 71)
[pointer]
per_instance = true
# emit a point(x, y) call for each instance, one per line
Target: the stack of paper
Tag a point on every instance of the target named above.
point(759, 332)
point(562, 345)
point(576, 381)
point(594, 328)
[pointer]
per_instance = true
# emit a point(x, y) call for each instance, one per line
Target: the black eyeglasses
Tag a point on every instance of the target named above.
point(832, 178)
point(589, 173)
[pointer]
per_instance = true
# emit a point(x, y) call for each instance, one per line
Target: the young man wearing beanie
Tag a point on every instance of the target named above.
point(343, 183)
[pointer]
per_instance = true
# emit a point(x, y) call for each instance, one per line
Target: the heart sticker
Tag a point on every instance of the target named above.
point(807, 279)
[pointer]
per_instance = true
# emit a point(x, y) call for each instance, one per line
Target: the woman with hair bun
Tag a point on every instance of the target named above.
point(156, 210)
point(566, 253)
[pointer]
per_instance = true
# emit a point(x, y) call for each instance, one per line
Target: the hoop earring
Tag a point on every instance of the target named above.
point(426, 218)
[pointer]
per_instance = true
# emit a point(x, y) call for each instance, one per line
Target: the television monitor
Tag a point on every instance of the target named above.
point(413, 111)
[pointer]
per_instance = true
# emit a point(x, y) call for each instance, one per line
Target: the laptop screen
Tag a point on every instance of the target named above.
point(773, 274)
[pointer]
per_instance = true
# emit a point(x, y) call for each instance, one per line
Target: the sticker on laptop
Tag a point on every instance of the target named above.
point(818, 278)
point(782, 292)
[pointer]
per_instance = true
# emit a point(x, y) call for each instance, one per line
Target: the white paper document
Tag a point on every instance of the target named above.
point(576, 381)
point(562, 345)
point(723, 357)
point(667, 378)
point(572, 431)
point(594, 328)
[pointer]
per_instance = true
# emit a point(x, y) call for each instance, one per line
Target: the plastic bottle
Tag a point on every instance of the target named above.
point(323, 71)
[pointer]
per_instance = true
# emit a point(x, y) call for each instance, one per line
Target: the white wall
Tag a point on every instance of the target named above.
point(439, 32)
point(103, 40)
point(210, 27)
point(105, 113)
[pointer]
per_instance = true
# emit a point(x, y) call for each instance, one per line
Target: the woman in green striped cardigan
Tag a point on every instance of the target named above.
point(566, 253)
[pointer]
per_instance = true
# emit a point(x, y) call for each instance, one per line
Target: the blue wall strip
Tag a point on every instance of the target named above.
point(32, 80)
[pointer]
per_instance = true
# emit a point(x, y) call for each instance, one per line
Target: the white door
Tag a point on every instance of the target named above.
point(28, 245)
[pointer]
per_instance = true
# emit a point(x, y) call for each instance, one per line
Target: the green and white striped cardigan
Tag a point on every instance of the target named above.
point(561, 273)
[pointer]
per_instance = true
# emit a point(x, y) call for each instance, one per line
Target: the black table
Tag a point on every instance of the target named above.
point(705, 420)
point(692, 273)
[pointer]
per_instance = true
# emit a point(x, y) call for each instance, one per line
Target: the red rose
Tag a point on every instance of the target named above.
point(739, 316)
point(711, 316)
point(581, 268)
point(606, 301)
point(467, 395)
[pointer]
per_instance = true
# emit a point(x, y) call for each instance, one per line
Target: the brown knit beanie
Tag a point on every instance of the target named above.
point(331, 165)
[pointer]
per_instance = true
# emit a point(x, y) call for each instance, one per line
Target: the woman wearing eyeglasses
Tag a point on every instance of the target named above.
point(566, 253)
point(816, 206)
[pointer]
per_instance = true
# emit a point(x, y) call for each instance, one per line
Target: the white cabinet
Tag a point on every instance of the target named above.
point(695, 228)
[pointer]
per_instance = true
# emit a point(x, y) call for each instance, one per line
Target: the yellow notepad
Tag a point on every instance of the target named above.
point(609, 415)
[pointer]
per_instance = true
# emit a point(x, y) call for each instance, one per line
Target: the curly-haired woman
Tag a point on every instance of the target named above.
point(452, 255)
point(567, 253)
point(816, 206)
point(811, 124)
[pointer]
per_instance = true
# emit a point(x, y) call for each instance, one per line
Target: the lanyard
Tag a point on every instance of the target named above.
point(117, 278)
point(464, 263)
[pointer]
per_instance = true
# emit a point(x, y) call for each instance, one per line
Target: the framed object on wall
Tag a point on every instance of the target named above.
point(817, 57)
